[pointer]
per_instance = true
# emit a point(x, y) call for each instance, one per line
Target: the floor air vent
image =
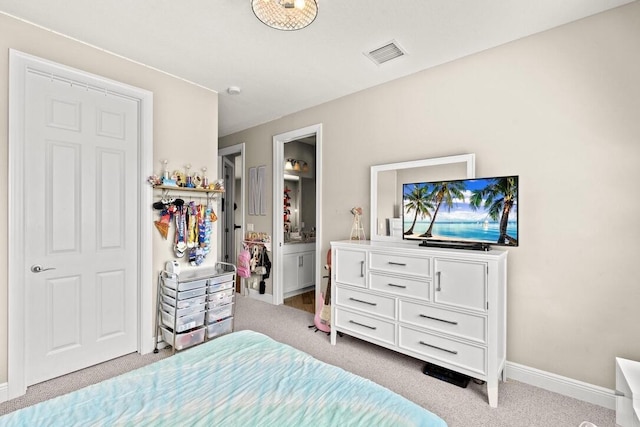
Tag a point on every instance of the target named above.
point(386, 53)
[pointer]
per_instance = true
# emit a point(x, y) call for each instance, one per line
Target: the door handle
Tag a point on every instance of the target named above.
point(36, 268)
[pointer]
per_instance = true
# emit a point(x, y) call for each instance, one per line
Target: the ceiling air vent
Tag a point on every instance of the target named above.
point(386, 53)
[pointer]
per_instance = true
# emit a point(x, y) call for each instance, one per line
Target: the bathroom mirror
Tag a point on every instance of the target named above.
point(386, 188)
point(292, 188)
point(299, 190)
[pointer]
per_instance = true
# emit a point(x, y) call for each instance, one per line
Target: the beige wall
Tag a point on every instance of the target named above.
point(185, 125)
point(562, 110)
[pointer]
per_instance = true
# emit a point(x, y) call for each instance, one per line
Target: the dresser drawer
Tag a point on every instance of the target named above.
point(467, 356)
point(402, 286)
point(376, 329)
point(363, 301)
point(451, 322)
point(402, 264)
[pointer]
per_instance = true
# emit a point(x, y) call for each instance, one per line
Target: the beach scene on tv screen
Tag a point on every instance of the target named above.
point(473, 210)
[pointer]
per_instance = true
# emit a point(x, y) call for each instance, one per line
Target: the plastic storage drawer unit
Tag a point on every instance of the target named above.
point(186, 300)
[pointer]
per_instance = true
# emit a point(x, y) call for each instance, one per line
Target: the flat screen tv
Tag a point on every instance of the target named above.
point(467, 213)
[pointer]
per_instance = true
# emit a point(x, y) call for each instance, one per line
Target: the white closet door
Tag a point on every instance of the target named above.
point(81, 151)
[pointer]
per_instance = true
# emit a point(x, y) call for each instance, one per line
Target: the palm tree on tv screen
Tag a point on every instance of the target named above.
point(417, 200)
point(447, 192)
point(498, 197)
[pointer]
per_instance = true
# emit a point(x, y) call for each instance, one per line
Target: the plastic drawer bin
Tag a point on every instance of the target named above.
point(173, 283)
point(221, 278)
point(184, 311)
point(219, 313)
point(183, 323)
point(220, 295)
point(216, 287)
point(220, 328)
point(184, 340)
point(185, 303)
point(183, 295)
point(217, 302)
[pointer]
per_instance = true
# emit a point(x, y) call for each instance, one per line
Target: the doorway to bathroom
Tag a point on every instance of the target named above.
point(297, 175)
point(231, 224)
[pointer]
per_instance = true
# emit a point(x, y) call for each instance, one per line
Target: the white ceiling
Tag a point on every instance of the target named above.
point(220, 43)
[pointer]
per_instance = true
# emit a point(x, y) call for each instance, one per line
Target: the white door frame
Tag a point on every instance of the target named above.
point(19, 65)
point(278, 222)
point(233, 149)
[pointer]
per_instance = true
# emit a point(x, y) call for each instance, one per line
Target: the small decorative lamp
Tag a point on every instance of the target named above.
point(357, 231)
point(288, 165)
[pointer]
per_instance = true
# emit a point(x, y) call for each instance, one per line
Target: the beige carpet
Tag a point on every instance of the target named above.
point(519, 404)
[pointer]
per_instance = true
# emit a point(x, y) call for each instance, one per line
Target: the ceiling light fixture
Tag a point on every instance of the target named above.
point(286, 15)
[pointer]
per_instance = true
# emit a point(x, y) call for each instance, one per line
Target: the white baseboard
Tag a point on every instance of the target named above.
point(562, 385)
point(299, 291)
point(4, 392)
point(260, 297)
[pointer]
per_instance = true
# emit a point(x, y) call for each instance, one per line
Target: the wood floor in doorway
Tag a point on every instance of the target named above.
point(305, 301)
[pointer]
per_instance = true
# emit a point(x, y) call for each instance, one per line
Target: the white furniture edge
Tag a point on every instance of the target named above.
point(627, 392)
point(545, 380)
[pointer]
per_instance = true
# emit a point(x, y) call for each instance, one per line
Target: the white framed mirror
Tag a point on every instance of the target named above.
point(386, 188)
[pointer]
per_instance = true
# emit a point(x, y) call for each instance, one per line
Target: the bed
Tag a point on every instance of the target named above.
point(241, 379)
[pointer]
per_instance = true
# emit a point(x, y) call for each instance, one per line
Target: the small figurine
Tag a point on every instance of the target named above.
point(205, 179)
point(189, 178)
point(357, 231)
point(218, 185)
point(165, 170)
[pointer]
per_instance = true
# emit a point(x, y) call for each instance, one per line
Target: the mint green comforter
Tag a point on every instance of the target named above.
point(241, 379)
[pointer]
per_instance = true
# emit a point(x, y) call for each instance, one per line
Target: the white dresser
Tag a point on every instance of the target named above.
point(443, 306)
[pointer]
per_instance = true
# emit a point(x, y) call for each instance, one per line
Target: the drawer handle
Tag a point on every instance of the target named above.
point(361, 268)
point(438, 348)
point(396, 286)
point(438, 276)
point(401, 264)
point(439, 320)
point(362, 324)
point(363, 302)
